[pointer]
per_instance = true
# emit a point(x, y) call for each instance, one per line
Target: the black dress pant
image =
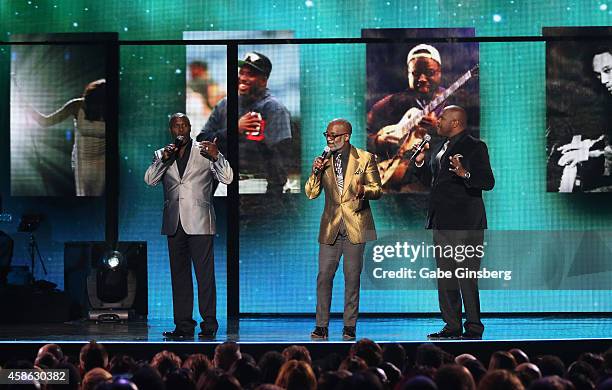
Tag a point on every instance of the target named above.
point(184, 249)
point(451, 291)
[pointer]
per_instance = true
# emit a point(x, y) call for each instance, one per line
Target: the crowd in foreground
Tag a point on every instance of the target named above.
point(366, 366)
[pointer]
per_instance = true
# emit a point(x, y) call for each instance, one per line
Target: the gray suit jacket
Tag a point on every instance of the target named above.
point(189, 197)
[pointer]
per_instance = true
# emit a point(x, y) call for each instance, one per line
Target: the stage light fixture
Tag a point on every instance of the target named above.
point(111, 287)
point(113, 259)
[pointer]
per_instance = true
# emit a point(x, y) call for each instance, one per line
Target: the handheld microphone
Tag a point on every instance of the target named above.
point(325, 155)
point(425, 140)
point(180, 140)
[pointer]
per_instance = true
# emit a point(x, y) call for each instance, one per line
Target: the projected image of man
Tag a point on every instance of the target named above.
point(424, 72)
point(188, 170)
point(587, 162)
point(264, 124)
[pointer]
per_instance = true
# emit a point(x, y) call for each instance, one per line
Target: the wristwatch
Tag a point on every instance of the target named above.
point(467, 175)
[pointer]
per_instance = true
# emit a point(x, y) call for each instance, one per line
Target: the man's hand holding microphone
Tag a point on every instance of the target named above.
point(319, 163)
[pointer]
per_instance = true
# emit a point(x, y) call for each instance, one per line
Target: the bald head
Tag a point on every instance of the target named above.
point(453, 121)
point(457, 113)
point(343, 124)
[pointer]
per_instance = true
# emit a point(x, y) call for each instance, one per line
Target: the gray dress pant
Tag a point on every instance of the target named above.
point(329, 258)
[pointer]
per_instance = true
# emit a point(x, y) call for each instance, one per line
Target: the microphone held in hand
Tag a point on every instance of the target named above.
point(325, 155)
point(180, 140)
point(419, 148)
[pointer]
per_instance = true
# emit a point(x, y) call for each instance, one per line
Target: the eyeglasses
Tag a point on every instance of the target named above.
point(333, 136)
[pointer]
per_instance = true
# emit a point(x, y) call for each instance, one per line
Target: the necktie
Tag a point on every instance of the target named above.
point(439, 156)
point(338, 169)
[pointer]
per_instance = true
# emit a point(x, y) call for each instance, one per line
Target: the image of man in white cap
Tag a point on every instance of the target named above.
point(424, 72)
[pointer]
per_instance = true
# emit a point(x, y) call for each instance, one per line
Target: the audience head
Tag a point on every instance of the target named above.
point(528, 373)
point(198, 364)
point(393, 374)
point(296, 375)
point(297, 352)
point(165, 362)
point(329, 380)
point(519, 355)
point(502, 360)
point(363, 380)
point(247, 373)
point(500, 380)
point(148, 378)
point(118, 384)
point(454, 377)
point(419, 382)
point(550, 365)
point(180, 379)
point(269, 365)
point(95, 377)
point(93, 355)
point(396, 354)
point(217, 379)
point(353, 364)
point(122, 364)
point(464, 357)
point(46, 360)
point(226, 354)
point(429, 355)
point(369, 351)
point(476, 368)
point(53, 349)
point(552, 382)
point(595, 360)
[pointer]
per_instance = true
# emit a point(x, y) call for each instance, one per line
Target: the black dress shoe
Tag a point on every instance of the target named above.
point(178, 335)
point(207, 334)
point(320, 333)
point(348, 333)
point(444, 334)
point(471, 336)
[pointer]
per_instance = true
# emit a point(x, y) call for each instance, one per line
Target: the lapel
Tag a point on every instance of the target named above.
point(351, 166)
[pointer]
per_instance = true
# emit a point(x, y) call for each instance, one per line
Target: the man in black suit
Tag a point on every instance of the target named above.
point(458, 170)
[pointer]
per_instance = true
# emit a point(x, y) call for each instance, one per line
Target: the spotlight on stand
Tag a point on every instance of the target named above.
point(107, 283)
point(111, 287)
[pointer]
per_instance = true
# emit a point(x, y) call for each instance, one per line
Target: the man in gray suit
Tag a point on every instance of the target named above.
point(188, 170)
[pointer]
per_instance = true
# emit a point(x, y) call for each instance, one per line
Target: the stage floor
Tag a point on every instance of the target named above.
point(287, 330)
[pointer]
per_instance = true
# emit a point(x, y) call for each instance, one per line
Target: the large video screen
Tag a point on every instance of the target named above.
point(58, 119)
point(542, 253)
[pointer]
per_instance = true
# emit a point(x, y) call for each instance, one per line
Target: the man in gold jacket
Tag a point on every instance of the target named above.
point(350, 179)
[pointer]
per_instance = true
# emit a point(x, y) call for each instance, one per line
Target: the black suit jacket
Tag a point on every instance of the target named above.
point(456, 203)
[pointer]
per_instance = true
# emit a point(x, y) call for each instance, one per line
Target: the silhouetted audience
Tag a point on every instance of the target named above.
point(365, 366)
